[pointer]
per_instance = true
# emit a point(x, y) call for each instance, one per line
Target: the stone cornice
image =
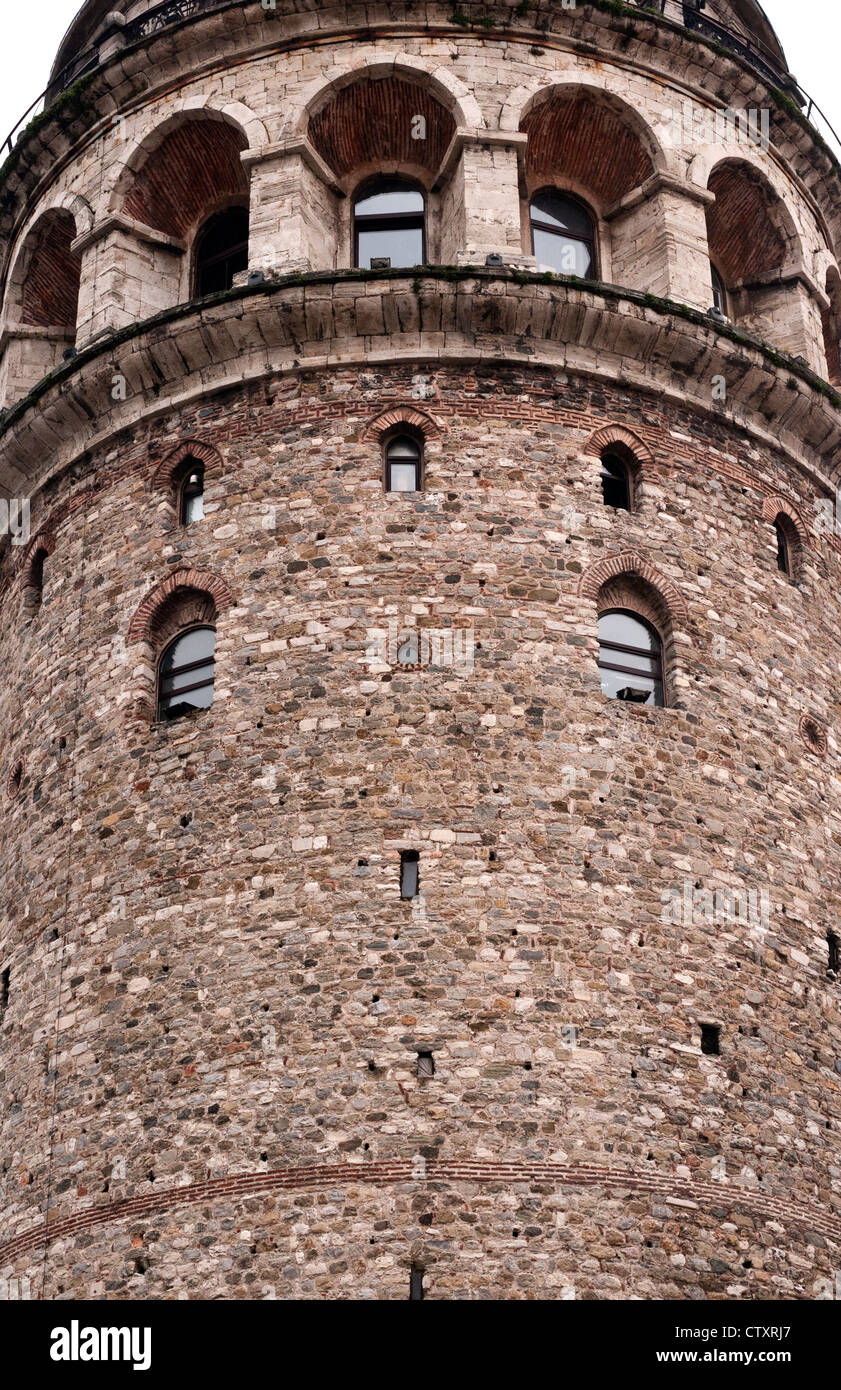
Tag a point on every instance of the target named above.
point(295, 145)
point(463, 314)
point(118, 222)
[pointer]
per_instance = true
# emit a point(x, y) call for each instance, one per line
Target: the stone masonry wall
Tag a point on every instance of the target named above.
point(216, 994)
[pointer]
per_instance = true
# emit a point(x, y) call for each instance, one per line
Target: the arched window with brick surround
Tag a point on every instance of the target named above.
point(403, 464)
point(174, 632)
point(788, 536)
point(639, 614)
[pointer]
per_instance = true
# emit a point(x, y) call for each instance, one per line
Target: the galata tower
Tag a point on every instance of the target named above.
point(421, 661)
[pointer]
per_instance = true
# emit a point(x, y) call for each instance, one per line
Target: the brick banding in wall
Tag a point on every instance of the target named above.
point(629, 563)
point(706, 1196)
point(142, 627)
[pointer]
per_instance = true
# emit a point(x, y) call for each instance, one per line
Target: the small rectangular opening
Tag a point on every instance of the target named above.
point(426, 1064)
point(409, 875)
point(5, 978)
point(833, 941)
point(416, 1283)
point(711, 1039)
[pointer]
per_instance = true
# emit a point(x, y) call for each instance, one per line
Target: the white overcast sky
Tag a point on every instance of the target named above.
point(810, 31)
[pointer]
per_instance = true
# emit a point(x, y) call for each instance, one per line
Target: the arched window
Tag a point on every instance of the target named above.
point(221, 251)
point(616, 481)
point(389, 224)
point(563, 234)
point(36, 575)
point(191, 493)
point(630, 658)
point(720, 300)
point(403, 465)
point(186, 673)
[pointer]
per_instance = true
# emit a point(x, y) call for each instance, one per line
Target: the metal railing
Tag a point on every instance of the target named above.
point(752, 51)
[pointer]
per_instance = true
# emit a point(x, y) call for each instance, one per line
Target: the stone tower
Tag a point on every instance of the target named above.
point(387, 388)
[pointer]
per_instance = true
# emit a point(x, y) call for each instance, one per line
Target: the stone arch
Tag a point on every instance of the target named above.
point(45, 276)
point(236, 115)
point(164, 472)
point(750, 230)
point(187, 167)
point(667, 601)
point(149, 617)
point(387, 421)
point(443, 83)
point(361, 122)
point(831, 326)
point(564, 120)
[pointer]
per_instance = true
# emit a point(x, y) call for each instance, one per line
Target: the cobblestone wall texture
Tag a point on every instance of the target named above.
point(215, 996)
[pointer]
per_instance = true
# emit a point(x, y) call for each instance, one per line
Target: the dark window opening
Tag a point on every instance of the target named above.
point(616, 481)
point(403, 465)
point(36, 574)
point(630, 659)
point(221, 251)
point(711, 1039)
point(834, 943)
point(426, 1064)
point(191, 500)
point(783, 548)
point(389, 225)
point(409, 873)
point(416, 1283)
point(5, 980)
point(719, 292)
point(563, 234)
point(187, 672)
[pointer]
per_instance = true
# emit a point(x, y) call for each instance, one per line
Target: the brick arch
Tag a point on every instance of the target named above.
point(188, 165)
point(749, 228)
point(397, 415)
point(775, 506)
point(43, 542)
point(618, 434)
point(366, 123)
point(629, 565)
point(146, 622)
point(585, 137)
point(163, 474)
point(443, 84)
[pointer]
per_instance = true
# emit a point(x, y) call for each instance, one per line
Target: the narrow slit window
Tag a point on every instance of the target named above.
point(191, 502)
point(783, 548)
point(409, 873)
point(616, 481)
point(36, 575)
point(416, 1283)
point(711, 1039)
point(426, 1065)
point(720, 301)
point(833, 941)
point(5, 980)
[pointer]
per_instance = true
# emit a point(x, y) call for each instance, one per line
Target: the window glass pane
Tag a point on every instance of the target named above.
point(403, 477)
point(403, 448)
point(197, 645)
point(628, 631)
point(403, 245)
point(390, 202)
point(193, 508)
point(196, 675)
point(614, 681)
point(559, 253)
point(563, 213)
